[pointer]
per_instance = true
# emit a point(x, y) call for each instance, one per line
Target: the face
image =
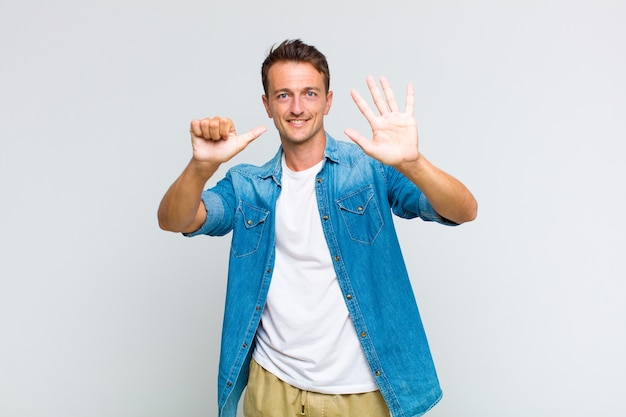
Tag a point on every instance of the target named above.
point(297, 101)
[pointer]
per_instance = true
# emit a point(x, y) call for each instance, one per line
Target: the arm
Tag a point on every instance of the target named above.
point(214, 141)
point(395, 143)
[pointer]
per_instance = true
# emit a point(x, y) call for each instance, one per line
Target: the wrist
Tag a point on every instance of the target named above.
point(414, 167)
point(410, 162)
point(203, 170)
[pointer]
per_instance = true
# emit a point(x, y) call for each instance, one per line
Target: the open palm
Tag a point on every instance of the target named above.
point(394, 133)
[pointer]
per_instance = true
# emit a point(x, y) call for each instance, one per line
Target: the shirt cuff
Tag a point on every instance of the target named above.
point(212, 204)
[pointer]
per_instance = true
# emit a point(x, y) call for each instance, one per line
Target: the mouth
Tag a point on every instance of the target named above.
point(297, 122)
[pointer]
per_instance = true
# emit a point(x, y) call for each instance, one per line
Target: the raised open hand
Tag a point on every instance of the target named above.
point(215, 139)
point(394, 133)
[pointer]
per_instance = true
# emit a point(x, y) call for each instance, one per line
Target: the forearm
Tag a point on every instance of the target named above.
point(448, 196)
point(181, 209)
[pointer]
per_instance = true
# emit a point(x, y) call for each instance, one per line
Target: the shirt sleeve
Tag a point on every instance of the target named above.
point(408, 201)
point(215, 215)
point(428, 213)
point(220, 204)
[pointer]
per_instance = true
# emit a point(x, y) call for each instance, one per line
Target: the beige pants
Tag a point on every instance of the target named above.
point(268, 396)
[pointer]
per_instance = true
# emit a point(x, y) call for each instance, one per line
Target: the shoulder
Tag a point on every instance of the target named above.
point(264, 171)
point(246, 169)
point(346, 153)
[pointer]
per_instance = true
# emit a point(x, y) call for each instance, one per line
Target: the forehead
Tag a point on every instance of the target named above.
point(289, 75)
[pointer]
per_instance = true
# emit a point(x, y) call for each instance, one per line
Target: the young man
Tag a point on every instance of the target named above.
point(320, 315)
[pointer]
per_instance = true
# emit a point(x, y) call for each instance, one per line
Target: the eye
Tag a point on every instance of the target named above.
point(282, 96)
point(311, 94)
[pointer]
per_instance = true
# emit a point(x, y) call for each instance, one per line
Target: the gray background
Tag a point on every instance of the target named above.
point(104, 315)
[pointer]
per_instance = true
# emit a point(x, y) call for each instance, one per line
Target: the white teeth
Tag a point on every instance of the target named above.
point(296, 122)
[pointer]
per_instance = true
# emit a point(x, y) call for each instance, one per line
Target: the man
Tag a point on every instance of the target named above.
point(320, 317)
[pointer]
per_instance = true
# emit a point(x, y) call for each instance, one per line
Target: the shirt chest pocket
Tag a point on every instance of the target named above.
point(248, 230)
point(361, 215)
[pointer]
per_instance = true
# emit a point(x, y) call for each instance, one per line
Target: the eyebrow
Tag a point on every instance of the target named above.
point(289, 90)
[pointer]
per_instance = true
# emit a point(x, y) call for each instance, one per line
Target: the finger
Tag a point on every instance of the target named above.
point(363, 106)
point(410, 99)
point(195, 129)
point(214, 128)
point(391, 98)
point(226, 127)
point(203, 126)
point(377, 96)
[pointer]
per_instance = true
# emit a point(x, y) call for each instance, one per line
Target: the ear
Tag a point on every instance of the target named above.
point(329, 102)
point(267, 106)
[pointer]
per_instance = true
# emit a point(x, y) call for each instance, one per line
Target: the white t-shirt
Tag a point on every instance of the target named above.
point(306, 337)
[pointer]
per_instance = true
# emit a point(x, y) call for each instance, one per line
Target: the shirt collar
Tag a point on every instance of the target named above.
point(273, 167)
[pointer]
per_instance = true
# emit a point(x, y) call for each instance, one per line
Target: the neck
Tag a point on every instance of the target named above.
point(299, 157)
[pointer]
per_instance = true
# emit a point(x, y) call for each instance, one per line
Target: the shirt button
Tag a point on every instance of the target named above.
point(336, 258)
point(228, 384)
point(249, 222)
point(359, 208)
point(319, 180)
point(325, 217)
point(349, 296)
point(363, 334)
point(377, 373)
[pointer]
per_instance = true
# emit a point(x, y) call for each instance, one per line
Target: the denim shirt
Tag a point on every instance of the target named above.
point(356, 196)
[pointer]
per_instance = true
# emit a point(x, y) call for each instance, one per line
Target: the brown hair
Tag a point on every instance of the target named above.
point(297, 51)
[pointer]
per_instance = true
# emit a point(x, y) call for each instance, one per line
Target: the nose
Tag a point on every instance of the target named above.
point(296, 106)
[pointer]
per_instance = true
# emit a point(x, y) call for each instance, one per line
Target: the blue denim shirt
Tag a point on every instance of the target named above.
point(356, 196)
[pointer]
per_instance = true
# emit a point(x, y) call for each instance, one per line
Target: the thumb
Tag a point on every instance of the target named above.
point(253, 133)
point(358, 138)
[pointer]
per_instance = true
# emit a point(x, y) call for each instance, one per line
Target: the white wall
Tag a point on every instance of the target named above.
point(104, 315)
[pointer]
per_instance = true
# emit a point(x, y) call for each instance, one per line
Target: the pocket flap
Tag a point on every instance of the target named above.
point(357, 202)
point(252, 216)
